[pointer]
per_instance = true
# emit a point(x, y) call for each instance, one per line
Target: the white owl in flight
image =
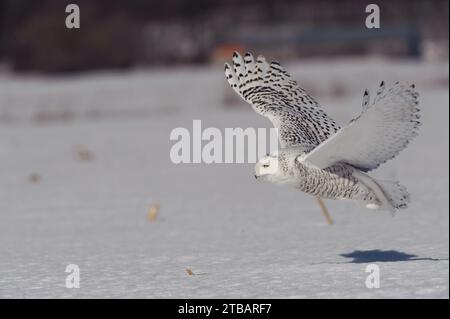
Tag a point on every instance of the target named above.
point(317, 156)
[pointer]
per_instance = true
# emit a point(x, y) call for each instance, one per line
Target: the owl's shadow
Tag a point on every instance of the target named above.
point(370, 256)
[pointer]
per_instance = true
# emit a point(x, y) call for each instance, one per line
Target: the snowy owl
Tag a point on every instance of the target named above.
point(317, 156)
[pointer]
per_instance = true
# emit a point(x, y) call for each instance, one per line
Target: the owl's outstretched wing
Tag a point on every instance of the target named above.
point(378, 134)
point(270, 90)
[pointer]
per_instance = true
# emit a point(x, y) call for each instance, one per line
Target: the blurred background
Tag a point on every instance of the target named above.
point(140, 36)
point(85, 172)
point(124, 34)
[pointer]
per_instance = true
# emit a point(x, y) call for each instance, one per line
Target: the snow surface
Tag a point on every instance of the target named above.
point(240, 237)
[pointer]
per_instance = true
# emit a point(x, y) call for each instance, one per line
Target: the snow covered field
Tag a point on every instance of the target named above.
point(84, 158)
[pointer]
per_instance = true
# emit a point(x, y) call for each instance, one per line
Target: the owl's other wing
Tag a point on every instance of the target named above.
point(378, 134)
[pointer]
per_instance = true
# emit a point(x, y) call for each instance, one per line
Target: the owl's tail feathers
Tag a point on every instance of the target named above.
point(396, 193)
point(391, 195)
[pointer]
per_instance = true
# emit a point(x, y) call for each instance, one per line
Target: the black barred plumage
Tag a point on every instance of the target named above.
point(273, 94)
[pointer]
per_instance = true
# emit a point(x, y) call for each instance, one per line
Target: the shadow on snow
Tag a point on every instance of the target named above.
point(368, 256)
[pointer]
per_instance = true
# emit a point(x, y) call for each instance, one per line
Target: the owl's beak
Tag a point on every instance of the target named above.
point(257, 170)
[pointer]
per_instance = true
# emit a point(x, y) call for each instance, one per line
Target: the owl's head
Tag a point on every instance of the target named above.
point(266, 166)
